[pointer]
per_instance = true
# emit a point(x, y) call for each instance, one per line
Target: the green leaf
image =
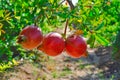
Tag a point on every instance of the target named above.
point(1, 13)
point(101, 40)
point(97, 11)
point(91, 40)
point(100, 26)
point(51, 1)
point(91, 14)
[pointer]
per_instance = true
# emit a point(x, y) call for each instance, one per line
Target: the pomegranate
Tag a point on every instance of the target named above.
point(85, 54)
point(30, 37)
point(75, 46)
point(53, 44)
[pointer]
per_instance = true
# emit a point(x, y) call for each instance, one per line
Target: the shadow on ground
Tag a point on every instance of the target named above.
point(99, 65)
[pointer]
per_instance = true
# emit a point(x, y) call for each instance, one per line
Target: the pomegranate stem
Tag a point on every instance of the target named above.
point(65, 28)
point(36, 20)
point(71, 7)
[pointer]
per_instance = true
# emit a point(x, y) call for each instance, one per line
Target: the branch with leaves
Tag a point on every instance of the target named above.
point(71, 7)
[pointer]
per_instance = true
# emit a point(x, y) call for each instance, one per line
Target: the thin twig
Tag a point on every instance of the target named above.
point(61, 3)
point(72, 7)
point(66, 27)
point(47, 18)
point(36, 19)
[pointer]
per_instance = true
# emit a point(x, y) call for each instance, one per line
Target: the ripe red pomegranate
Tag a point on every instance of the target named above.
point(75, 46)
point(30, 37)
point(53, 44)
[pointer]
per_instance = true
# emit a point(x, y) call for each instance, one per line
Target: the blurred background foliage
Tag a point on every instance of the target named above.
point(98, 19)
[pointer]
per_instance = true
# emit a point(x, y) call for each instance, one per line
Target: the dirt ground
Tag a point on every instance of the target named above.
point(97, 66)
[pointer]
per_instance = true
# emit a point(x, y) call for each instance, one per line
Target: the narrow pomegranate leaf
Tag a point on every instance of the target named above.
point(91, 40)
point(1, 30)
point(102, 40)
point(1, 13)
point(91, 14)
point(8, 15)
point(100, 26)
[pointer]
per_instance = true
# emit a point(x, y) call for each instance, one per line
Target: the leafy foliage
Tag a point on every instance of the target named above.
point(116, 47)
point(98, 19)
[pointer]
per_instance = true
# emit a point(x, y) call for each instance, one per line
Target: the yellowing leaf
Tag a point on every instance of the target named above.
point(15, 62)
point(2, 31)
point(78, 32)
point(79, 21)
point(1, 25)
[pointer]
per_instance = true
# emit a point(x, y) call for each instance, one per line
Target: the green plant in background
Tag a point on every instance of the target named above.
point(116, 47)
point(98, 19)
point(8, 65)
point(14, 15)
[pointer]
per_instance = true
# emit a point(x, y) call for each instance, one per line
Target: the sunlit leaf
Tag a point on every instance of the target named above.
point(51, 1)
point(1, 25)
point(17, 17)
point(8, 14)
point(100, 26)
point(102, 40)
point(15, 62)
point(10, 23)
point(1, 13)
point(97, 11)
point(79, 21)
point(2, 31)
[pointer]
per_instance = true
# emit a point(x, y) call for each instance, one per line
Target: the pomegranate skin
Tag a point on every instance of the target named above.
point(30, 37)
point(75, 46)
point(53, 44)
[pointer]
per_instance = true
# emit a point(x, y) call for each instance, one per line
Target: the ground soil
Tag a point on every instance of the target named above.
point(99, 65)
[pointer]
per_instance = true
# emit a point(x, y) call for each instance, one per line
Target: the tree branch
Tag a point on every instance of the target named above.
point(71, 7)
point(66, 27)
point(71, 4)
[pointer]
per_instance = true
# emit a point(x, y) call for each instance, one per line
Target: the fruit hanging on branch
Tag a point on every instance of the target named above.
point(53, 44)
point(75, 46)
point(30, 37)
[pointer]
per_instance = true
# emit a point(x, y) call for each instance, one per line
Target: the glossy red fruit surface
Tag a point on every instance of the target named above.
point(30, 37)
point(75, 46)
point(53, 44)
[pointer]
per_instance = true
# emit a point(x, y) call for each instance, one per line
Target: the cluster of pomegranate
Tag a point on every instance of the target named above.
point(53, 43)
